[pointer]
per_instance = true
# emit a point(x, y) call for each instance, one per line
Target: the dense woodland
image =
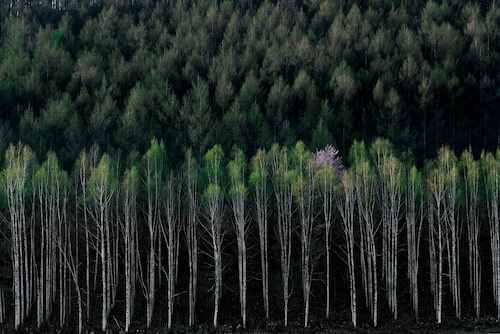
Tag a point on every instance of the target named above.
point(186, 163)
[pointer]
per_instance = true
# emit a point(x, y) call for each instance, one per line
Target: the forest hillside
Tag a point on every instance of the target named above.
point(248, 164)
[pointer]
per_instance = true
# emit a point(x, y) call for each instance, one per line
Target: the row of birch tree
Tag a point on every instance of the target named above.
point(109, 230)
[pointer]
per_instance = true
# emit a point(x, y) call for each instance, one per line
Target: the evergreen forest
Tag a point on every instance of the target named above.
point(256, 164)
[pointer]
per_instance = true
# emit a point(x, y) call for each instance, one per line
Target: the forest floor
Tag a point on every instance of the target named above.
point(489, 325)
point(339, 322)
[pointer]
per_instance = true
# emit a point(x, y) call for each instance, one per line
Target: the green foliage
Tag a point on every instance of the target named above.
point(102, 182)
point(250, 74)
point(156, 166)
point(57, 38)
point(259, 168)
point(236, 169)
point(213, 165)
point(131, 180)
point(52, 177)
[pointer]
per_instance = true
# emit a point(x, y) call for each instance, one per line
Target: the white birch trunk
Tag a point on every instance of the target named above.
point(259, 179)
point(436, 184)
point(192, 232)
point(304, 187)
point(2, 306)
point(346, 201)
point(171, 237)
point(129, 190)
point(18, 159)
point(414, 220)
point(214, 209)
point(491, 172)
point(283, 194)
point(364, 185)
point(236, 169)
point(326, 176)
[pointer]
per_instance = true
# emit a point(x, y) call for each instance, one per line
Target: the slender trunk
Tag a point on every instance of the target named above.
point(259, 170)
point(217, 252)
point(171, 237)
point(191, 233)
point(346, 205)
point(193, 263)
point(327, 246)
point(364, 184)
point(130, 188)
point(104, 274)
point(283, 195)
point(2, 306)
point(151, 283)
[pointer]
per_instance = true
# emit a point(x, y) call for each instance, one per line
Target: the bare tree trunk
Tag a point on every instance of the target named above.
point(390, 196)
point(18, 160)
point(86, 164)
point(304, 187)
point(71, 263)
point(414, 220)
point(491, 172)
point(259, 180)
point(346, 202)
point(283, 194)
point(130, 190)
point(191, 171)
point(2, 306)
point(326, 176)
point(471, 178)
point(436, 184)
point(214, 209)
point(102, 189)
point(447, 163)
point(170, 235)
point(155, 174)
point(365, 191)
point(238, 192)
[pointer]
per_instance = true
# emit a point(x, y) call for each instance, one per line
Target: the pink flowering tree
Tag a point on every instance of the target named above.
point(329, 169)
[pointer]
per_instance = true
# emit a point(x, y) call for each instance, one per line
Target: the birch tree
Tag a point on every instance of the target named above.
point(238, 193)
point(214, 210)
point(390, 197)
point(52, 185)
point(346, 204)
point(436, 185)
point(414, 220)
point(48, 228)
point(259, 181)
point(85, 164)
point(364, 182)
point(448, 164)
point(191, 171)
point(2, 305)
point(283, 194)
point(70, 261)
point(328, 169)
point(101, 188)
point(18, 161)
point(471, 175)
point(155, 171)
point(304, 190)
point(67, 248)
point(170, 231)
point(130, 189)
point(491, 174)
